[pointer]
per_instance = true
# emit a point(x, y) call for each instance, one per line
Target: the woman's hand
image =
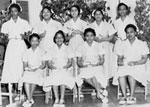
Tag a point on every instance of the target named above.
point(28, 69)
point(76, 32)
point(132, 63)
point(42, 35)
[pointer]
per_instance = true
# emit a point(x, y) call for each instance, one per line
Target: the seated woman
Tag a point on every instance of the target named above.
point(60, 62)
point(90, 59)
point(33, 69)
point(132, 56)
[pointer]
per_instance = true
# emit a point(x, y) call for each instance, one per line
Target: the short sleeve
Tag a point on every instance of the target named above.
point(101, 50)
point(84, 25)
point(25, 57)
point(144, 49)
point(27, 27)
point(65, 27)
point(111, 30)
point(4, 28)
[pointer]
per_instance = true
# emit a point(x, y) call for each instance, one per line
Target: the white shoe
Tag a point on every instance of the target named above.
point(131, 100)
point(123, 100)
point(27, 104)
point(105, 100)
point(17, 98)
point(56, 101)
point(32, 101)
point(105, 93)
point(62, 101)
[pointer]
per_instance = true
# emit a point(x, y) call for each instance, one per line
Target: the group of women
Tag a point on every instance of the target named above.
point(89, 55)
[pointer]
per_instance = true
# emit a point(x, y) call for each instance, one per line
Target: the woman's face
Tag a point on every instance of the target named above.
point(14, 12)
point(122, 10)
point(46, 14)
point(89, 37)
point(98, 16)
point(34, 42)
point(130, 33)
point(59, 39)
point(74, 12)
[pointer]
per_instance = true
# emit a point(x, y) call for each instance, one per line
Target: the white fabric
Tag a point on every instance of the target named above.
point(34, 59)
point(14, 29)
point(51, 28)
point(120, 26)
point(132, 52)
point(13, 65)
point(71, 26)
point(59, 76)
point(105, 30)
point(91, 55)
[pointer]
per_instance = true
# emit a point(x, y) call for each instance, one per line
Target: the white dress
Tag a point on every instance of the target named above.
point(13, 66)
point(34, 59)
point(59, 76)
point(51, 28)
point(69, 27)
point(132, 52)
point(105, 30)
point(91, 55)
point(120, 26)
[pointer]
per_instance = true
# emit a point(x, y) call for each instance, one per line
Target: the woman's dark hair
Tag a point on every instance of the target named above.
point(34, 35)
point(77, 7)
point(89, 30)
point(41, 13)
point(99, 9)
point(122, 4)
point(59, 32)
point(132, 26)
point(14, 5)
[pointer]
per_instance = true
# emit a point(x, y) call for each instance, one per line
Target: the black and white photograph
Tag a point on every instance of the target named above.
point(74, 53)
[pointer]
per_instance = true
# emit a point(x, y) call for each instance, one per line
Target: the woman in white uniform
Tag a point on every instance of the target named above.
point(120, 23)
point(33, 60)
point(47, 29)
point(90, 59)
point(15, 29)
point(75, 28)
point(60, 60)
point(132, 56)
point(104, 34)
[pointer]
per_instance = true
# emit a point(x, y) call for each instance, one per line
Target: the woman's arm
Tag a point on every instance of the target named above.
point(80, 62)
point(140, 62)
point(69, 63)
point(50, 65)
point(103, 39)
point(120, 60)
point(100, 62)
point(42, 66)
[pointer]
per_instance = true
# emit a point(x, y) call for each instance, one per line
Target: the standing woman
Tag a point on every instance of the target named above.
point(121, 22)
point(15, 28)
point(104, 34)
point(46, 28)
point(33, 60)
point(60, 60)
point(75, 28)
